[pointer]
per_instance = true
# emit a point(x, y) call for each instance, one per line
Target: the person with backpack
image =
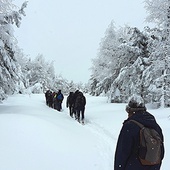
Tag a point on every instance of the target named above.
point(80, 103)
point(70, 103)
point(140, 143)
point(59, 99)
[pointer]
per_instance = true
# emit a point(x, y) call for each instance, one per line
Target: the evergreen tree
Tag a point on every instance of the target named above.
point(139, 61)
point(105, 63)
point(10, 72)
point(117, 53)
point(39, 74)
point(160, 14)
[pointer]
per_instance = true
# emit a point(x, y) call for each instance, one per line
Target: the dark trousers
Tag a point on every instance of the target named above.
point(60, 105)
point(71, 110)
point(57, 105)
point(78, 112)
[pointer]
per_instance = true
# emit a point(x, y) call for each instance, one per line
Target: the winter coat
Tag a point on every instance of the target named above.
point(75, 96)
point(80, 101)
point(128, 142)
point(70, 100)
point(59, 97)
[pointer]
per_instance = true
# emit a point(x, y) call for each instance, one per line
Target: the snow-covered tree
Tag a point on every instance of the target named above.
point(139, 62)
point(159, 13)
point(39, 76)
point(39, 71)
point(121, 51)
point(105, 63)
point(10, 71)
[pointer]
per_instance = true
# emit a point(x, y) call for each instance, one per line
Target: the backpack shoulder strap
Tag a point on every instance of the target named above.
point(139, 124)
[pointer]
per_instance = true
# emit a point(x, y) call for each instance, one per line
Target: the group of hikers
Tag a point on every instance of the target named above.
point(75, 102)
point(140, 144)
point(54, 99)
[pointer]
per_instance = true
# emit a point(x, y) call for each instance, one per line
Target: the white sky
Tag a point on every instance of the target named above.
point(69, 31)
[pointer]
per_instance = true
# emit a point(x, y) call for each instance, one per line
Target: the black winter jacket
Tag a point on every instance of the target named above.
point(128, 142)
point(80, 102)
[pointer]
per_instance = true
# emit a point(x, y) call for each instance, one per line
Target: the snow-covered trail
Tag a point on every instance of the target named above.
point(36, 137)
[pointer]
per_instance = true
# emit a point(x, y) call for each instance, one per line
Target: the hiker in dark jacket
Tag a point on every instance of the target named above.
point(47, 97)
point(74, 101)
point(70, 102)
point(59, 100)
point(80, 106)
point(50, 100)
point(53, 100)
point(126, 157)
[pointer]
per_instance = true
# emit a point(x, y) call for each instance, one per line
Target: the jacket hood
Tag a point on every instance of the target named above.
point(144, 118)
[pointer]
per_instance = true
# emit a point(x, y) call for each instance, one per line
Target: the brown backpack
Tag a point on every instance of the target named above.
point(149, 151)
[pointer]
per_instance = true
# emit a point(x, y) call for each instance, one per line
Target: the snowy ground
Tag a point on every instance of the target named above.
point(36, 137)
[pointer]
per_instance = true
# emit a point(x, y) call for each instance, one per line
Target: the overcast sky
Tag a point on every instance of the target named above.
point(68, 32)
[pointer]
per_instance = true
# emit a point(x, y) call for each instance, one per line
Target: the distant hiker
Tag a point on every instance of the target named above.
point(55, 102)
point(80, 106)
point(48, 94)
point(129, 154)
point(50, 99)
point(59, 100)
point(70, 103)
point(74, 101)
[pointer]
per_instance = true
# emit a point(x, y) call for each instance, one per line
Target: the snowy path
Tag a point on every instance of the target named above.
point(36, 137)
point(105, 143)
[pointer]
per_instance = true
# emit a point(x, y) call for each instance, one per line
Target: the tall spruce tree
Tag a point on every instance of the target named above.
point(105, 62)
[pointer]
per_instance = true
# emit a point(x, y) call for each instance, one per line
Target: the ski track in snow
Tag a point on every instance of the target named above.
point(105, 141)
point(105, 144)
